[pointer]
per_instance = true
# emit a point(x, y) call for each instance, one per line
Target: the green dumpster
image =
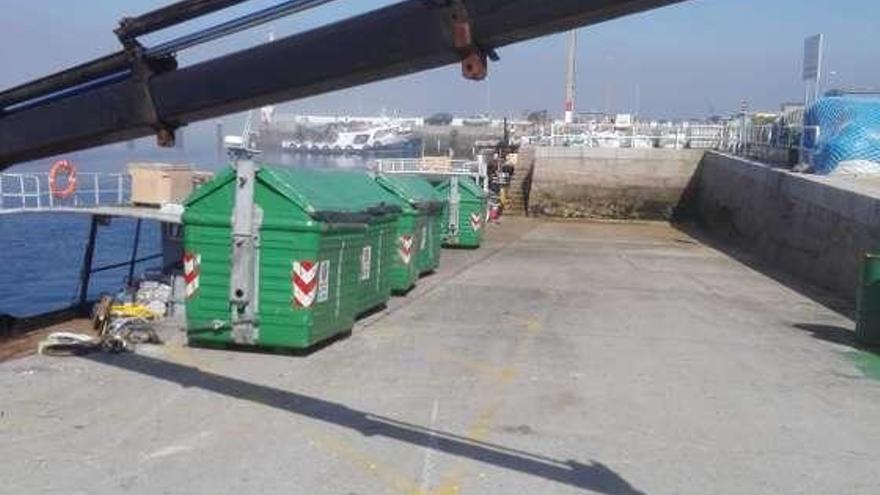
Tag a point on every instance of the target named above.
point(301, 245)
point(379, 252)
point(419, 228)
point(465, 212)
point(403, 270)
point(868, 325)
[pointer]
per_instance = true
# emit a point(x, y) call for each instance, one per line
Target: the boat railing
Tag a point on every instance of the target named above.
point(31, 190)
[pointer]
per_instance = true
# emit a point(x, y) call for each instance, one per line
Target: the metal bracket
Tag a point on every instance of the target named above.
point(474, 59)
point(454, 207)
point(144, 68)
point(244, 271)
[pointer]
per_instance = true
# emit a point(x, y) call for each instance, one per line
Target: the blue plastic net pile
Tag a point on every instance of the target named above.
point(849, 135)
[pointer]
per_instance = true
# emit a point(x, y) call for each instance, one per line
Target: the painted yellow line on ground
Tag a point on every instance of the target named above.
point(479, 430)
point(183, 355)
point(342, 449)
point(479, 367)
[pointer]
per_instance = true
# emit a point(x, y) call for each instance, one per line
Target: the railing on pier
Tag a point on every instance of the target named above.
point(787, 145)
point(638, 135)
point(30, 190)
point(435, 166)
point(773, 143)
point(428, 165)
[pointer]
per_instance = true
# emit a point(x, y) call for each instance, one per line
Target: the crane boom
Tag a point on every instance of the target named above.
point(403, 38)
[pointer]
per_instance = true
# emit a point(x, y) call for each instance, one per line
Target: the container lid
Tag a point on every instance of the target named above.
point(466, 184)
point(415, 190)
point(325, 195)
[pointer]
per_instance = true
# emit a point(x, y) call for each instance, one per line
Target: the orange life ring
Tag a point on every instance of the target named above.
point(66, 168)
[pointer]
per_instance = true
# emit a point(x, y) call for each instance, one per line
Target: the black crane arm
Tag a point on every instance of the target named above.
point(407, 37)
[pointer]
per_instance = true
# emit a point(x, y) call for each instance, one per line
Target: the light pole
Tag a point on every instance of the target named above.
point(830, 83)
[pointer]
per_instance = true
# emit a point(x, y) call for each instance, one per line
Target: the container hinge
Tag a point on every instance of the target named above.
point(474, 58)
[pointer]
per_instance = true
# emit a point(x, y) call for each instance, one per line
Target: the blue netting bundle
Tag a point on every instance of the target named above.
point(849, 136)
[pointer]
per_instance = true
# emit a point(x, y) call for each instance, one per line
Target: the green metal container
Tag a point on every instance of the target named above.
point(402, 271)
point(379, 252)
point(464, 219)
point(868, 326)
point(311, 236)
point(420, 239)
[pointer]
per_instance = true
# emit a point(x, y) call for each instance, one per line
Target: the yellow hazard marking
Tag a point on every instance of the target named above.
point(479, 430)
point(183, 355)
point(498, 380)
point(479, 367)
point(368, 464)
point(534, 326)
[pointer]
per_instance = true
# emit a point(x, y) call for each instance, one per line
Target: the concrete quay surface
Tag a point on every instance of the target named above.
point(611, 358)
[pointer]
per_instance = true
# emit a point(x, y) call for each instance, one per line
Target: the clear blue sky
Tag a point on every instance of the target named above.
point(687, 60)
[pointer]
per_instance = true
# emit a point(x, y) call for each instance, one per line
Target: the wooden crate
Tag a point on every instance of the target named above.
point(156, 184)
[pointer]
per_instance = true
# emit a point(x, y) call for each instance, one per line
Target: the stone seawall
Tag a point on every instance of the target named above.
point(610, 183)
point(814, 228)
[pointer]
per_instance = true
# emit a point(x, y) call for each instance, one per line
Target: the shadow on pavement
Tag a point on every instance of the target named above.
point(735, 250)
point(594, 476)
point(836, 335)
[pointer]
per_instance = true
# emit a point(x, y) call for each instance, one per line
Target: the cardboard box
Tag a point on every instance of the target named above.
point(156, 184)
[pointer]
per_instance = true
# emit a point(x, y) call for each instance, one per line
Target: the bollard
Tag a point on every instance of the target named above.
point(868, 326)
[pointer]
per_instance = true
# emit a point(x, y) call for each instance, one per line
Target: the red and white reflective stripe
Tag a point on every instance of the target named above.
point(405, 249)
point(192, 267)
point(305, 283)
point(476, 221)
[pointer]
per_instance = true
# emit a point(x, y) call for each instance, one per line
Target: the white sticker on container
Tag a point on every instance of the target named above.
point(366, 261)
point(424, 242)
point(324, 281)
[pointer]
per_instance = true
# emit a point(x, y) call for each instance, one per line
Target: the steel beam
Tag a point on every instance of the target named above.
point(74, 76)
point(170, 15)
point(408, 37)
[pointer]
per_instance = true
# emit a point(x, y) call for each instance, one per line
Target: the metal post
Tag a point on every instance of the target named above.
point(134, 249)
point(39, 198)
point(454, 204)
point(242, 284)
point(97, 190)
point(219, 138)
point(120, 185)
point(51, 196)
point(802, 149)
point(21, 186)
point(85, 273)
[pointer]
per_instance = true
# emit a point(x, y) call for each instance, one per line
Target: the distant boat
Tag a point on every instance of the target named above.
point(380, 139)
point(477, 121)
point(607, 140)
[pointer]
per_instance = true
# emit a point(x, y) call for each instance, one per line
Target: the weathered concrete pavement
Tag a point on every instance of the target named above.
point(560, 358)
